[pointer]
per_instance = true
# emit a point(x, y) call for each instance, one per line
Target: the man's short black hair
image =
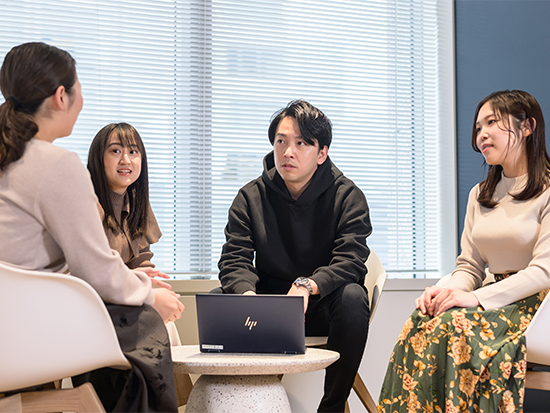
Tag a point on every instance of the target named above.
point(313, 124)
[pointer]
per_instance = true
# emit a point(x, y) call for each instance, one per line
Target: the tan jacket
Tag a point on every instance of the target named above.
point(135, 252)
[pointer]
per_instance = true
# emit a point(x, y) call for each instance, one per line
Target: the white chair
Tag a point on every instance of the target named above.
point(537, 338)
point(52, 326)
point(374, 283)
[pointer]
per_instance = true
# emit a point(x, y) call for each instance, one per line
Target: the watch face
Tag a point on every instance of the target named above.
point(303, 282)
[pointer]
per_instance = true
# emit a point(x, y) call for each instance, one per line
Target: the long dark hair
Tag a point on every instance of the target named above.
point(522, 107)
point(30, 73)
point(138, 192)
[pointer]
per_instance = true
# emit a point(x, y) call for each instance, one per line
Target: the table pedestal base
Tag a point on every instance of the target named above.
point(238, 394)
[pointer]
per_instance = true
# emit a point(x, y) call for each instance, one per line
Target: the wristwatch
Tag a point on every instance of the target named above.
point(303, 282)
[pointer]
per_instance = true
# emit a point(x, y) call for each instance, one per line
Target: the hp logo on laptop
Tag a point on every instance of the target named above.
point(250, 324)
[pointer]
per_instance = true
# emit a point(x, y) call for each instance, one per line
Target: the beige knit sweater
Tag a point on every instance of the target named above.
point(512, 237)
point(49, 221)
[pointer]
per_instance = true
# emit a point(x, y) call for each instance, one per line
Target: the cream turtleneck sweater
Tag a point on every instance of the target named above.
point(49, 221)
point(514, 236)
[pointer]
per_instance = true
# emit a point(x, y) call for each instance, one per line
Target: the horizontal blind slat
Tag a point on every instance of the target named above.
point(200, 81)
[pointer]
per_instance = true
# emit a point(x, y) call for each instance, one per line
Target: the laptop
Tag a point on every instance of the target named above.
point(232, 323)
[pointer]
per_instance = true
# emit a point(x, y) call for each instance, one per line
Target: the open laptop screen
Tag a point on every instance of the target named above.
point(232, 323)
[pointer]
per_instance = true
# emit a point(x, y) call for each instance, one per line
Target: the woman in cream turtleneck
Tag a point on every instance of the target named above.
point(464, 346)
point(117, 162)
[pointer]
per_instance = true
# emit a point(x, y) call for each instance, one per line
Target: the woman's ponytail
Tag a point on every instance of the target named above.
point(31, 73)
point(16, 128)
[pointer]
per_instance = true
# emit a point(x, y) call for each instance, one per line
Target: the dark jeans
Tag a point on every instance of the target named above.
point(344, 317)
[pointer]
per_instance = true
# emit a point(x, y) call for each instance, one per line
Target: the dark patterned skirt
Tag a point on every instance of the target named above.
point(466, 359)
point(149, 385)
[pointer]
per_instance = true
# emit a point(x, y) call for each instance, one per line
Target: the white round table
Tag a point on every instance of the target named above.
point(240, 383)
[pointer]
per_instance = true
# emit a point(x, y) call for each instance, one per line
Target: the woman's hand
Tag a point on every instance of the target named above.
point(167, 304)
point(452, 297)
point(436, 300)
point(424, 302)
point(152, 273)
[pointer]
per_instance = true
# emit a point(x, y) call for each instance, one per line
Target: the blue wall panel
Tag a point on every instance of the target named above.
point(500, 44)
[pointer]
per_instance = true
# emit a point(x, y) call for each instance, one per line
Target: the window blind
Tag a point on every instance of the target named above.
point(200, 79)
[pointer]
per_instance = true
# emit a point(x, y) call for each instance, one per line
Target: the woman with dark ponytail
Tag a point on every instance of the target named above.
point(49, 221)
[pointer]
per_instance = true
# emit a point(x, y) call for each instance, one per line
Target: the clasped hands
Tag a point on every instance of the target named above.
point(436, 300)
point(167, 303)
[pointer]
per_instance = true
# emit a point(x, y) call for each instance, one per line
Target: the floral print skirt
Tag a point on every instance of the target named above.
point(466, 359)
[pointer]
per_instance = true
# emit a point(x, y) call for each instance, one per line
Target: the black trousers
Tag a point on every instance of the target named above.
point(344, 317)
point(149, 385)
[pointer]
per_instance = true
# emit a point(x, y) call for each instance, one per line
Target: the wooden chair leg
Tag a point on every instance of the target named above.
point(539, 380)
point(363, 394)
point(184, 385)
point(54, 385)
point(83, 399)
point(11, 404)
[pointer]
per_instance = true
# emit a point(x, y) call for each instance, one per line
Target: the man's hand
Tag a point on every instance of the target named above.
point(304, 292)
point(436, 300)
point(152, 273)
point(249, 292)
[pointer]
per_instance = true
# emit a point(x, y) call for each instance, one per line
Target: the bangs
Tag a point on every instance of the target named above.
point(128, 138)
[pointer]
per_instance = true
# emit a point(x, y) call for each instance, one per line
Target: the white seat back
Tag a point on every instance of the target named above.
point(374, 281)
point(537, 335)
point(52, 326)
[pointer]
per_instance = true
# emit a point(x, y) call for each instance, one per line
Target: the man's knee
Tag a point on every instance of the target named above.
point(349, 324)
point(353, 301)
point(355, 294)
